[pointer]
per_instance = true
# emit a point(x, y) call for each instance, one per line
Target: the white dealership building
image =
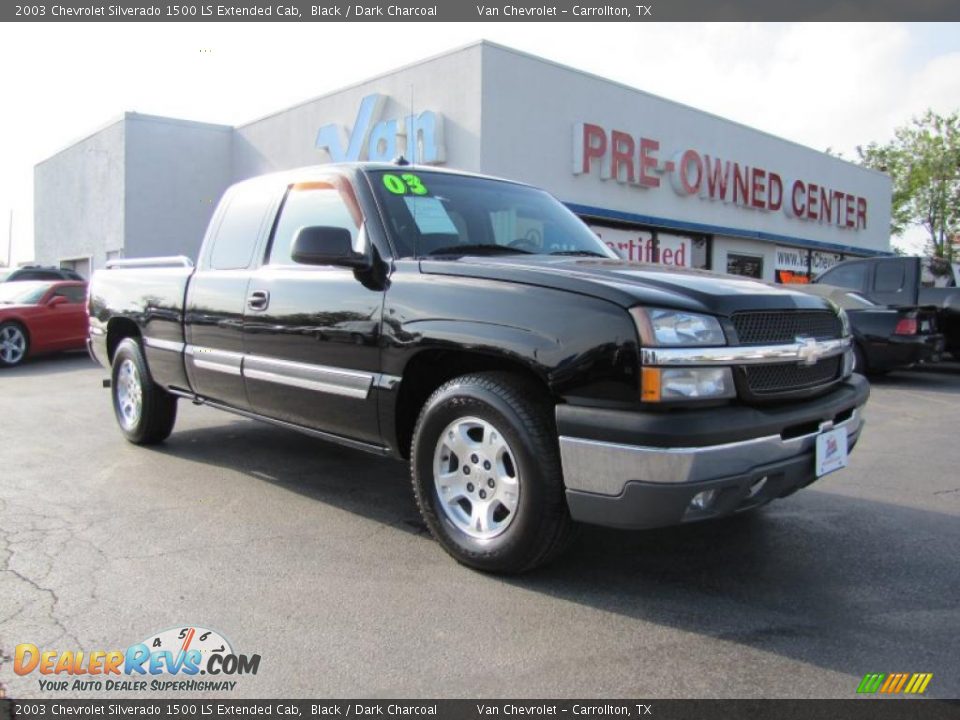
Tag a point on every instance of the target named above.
point(657, 180)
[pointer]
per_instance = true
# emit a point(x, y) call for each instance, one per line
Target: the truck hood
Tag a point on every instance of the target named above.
point(630, 283)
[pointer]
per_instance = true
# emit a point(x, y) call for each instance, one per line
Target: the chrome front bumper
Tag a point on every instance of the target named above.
point(605, 468)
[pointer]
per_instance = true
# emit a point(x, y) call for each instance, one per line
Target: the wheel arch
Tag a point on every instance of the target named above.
point(429, 369)
point(118, 330)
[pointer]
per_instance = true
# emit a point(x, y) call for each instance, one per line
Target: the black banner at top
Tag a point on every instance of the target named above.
point(612, 709)
point(475, 10)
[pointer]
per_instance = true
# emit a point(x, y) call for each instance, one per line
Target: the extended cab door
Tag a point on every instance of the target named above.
point(312, 339)
point(217, 293)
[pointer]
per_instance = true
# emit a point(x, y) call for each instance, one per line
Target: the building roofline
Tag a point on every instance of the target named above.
point(374, 78)
point(677, 103)
point(454, 51)
point(168, 120)
point(137, 117)
point(82, 139)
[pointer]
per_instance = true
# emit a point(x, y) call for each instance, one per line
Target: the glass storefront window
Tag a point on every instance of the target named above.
point(748, 265)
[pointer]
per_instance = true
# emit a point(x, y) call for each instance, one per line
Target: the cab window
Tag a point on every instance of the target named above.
point(73, 293)
point(239, 229)
point(310, 205)
point(846, 276)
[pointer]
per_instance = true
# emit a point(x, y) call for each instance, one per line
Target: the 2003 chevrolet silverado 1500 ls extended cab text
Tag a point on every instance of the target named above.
point(480, 329)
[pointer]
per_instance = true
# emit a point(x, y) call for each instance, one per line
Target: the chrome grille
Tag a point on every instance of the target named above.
point(778, 378)
point(785, 326)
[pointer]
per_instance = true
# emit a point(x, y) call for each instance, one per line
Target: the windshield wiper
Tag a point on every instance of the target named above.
point(585, 253)
point(478, 249)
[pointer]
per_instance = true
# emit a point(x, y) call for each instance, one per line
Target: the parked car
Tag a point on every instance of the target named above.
point(899, 282)
point(478, 328)
point(38, 272)
point(886, 338)
point(41, 317)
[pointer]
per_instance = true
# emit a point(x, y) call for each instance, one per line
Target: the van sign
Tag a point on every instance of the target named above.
point(418, 137)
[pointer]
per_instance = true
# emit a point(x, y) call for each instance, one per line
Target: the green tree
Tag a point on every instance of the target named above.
point(923, 159)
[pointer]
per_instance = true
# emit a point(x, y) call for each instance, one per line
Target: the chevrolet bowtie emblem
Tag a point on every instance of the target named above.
point(808, 351)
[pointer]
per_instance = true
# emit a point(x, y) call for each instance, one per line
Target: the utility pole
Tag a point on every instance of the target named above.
point(10, 241)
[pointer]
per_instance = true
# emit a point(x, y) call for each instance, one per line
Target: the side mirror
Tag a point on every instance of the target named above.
point(327, 246)
point(56, 300)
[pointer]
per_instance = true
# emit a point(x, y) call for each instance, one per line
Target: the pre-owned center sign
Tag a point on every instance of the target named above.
point(641, 162)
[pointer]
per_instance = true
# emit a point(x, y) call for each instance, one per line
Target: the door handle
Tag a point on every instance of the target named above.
point(258, 300)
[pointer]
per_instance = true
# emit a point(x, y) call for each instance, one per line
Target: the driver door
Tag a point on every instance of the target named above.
point(312, 339)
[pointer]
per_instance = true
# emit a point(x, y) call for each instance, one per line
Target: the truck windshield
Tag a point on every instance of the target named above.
point(436, 214)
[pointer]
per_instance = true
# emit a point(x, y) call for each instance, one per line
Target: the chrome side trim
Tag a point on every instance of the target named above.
point(320, 378)
point(170, 345)
point(387, 382)
point(804, 350)
point(329, 437)
point(605, 468)
point(222, 361)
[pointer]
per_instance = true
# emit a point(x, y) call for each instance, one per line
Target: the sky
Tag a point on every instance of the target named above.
point(823, 85)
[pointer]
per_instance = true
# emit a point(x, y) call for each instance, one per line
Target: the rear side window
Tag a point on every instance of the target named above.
point(73, 293)
point(239, 229)
point(889, 277)
point(310, 205)
point(38, 275)
point(849, 276)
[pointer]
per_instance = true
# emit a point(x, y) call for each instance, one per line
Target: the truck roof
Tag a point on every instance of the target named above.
point(311, 172)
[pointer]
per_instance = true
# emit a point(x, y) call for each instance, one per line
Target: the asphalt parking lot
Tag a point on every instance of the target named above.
point(313, 556)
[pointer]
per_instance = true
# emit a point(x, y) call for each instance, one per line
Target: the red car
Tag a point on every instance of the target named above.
point(41, 317)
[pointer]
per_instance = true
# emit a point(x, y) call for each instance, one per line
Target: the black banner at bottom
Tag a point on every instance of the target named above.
point(859, 709)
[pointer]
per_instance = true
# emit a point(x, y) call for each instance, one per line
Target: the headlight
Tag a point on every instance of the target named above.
point(667, 384)
point(676, 328)
point(848, 363)
point(844, 321)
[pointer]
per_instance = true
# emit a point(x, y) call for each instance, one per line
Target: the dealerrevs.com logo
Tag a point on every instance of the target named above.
point(172, 660)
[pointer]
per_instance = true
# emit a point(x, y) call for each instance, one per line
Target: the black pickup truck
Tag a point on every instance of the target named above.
point(899, 282)
point(479, 329)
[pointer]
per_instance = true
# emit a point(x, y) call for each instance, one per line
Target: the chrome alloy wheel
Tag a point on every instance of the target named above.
point(13, 344)
point(129, 394)
point(476, 478)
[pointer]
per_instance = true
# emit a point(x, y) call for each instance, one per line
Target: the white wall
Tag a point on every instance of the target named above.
point(176, 172)
point(78, 199)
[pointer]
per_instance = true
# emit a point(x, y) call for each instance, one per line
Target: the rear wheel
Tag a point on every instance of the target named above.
point(145, 411)
point(486, 473)
point(14, 344)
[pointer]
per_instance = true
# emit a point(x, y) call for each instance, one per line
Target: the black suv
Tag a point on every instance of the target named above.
point(37, 272)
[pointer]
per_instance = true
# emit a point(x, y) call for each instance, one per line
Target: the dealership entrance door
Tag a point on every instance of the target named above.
point(79, 265)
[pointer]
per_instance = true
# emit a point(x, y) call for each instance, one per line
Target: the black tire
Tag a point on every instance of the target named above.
point(13, 332)
point(158, 408)
point(521, 412)
point(860, 360)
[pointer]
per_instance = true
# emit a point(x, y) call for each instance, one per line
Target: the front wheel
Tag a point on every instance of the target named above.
point(487, 475)
point(145, 411)
point(14, 344)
